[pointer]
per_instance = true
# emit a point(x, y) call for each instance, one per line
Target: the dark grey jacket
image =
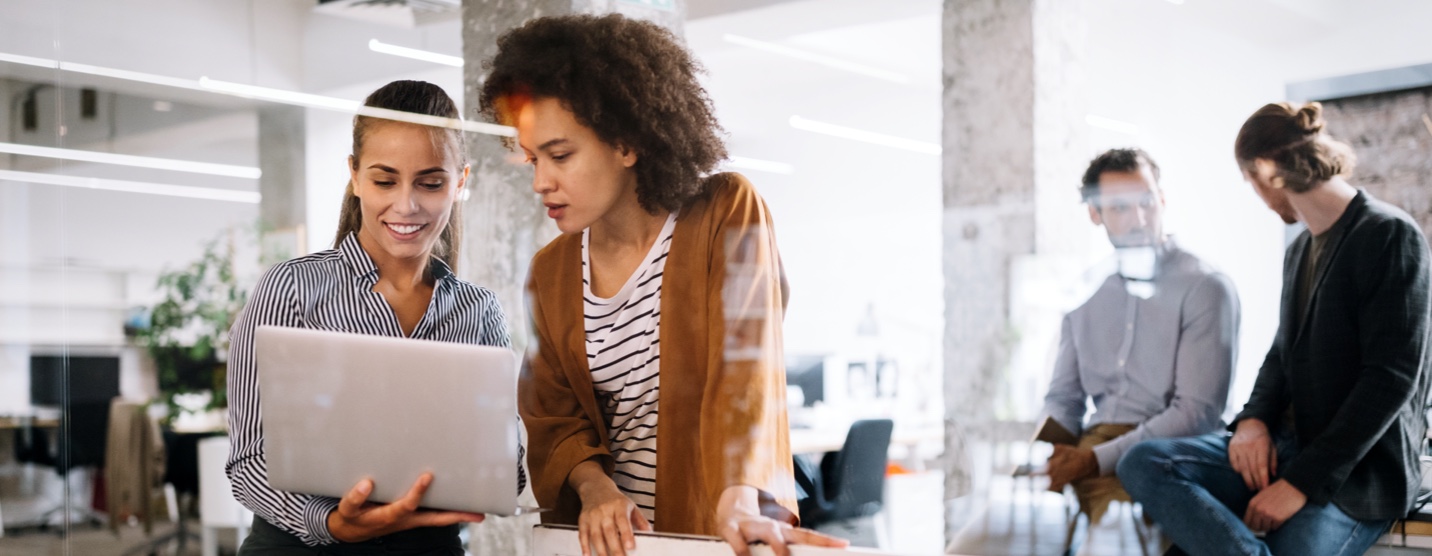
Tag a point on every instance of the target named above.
point(1355, 368)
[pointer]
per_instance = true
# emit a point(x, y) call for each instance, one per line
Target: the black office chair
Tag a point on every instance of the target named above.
point(850, 483)
point(80, 442)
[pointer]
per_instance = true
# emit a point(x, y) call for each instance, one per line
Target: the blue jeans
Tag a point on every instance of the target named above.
point(1188, 487)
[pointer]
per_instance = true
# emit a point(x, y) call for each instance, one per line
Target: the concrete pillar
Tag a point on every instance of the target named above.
point(1013, 138)
point(504, 223)
point(283, 133)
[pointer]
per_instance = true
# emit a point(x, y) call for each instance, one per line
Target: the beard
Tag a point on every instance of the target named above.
point(1139, 237)
point(1285, 211)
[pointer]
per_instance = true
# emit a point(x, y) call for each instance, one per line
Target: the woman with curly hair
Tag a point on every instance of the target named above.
point(636, 422)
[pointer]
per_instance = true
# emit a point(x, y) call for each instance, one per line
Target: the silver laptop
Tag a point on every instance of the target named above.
point(340, 407)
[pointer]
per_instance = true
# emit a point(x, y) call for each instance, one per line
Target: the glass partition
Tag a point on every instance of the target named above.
point(921, 164)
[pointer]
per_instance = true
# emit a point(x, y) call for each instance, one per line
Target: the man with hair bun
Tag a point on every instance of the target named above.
point(1324, 456)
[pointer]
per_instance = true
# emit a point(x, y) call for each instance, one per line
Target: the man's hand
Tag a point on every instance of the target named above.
point(1274, 505)
point(1069, 464)
point(1252, 454)
point(358, 520)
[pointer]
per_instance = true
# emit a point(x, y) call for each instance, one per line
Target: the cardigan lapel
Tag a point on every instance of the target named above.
point(686, 319)
point(573, 338)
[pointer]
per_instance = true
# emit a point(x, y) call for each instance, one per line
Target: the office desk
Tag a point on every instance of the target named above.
point(12, 422)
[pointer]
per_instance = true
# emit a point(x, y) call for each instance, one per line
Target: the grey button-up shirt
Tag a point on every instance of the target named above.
point(1162, 362)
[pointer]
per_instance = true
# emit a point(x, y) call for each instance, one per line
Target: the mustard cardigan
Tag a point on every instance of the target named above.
point(723, 402)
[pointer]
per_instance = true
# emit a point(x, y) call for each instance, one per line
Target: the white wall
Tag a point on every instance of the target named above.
point(858, 224)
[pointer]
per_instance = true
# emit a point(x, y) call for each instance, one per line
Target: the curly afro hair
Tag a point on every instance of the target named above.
point(628, 80)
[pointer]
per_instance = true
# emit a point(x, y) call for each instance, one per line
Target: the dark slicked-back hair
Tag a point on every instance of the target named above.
point(1115, 160)
point(630, 81)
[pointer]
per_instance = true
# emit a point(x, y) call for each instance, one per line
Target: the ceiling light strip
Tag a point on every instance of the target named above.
point(828, 61)
point(352, 106)
point(207, 193)
point(265, 93)
point(863, 136)
point(381, 47)
point(226, 170)
point(101, 71)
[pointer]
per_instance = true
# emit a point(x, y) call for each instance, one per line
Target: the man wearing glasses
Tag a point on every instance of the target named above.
point(1153, 348)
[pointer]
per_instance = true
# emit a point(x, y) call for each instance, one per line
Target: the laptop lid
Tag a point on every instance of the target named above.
point(339, 407)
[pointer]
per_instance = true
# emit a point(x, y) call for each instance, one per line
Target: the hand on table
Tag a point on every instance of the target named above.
point(739, 522)
point(356, 519)
point(608, 518)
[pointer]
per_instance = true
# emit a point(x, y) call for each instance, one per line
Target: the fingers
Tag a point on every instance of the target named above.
point(1250, 516)
point(584, 527)
point(404, 507)
point(1260, 468)
point(767, 531)
point(612, 535)
point(639, 522)
point(812, 538)
point(352, 502)
point(414, 497)
point(1256, 517)
point(1238, 459)
point(440, 519)
point(624, 527)
point(1273, 459)
point(1249, 520)
point(733, 536)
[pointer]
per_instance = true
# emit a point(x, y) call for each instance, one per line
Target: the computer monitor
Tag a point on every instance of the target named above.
point(90, 379)
point(807, 372)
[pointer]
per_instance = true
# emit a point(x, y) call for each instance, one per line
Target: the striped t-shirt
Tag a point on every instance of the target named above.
point(623, 353)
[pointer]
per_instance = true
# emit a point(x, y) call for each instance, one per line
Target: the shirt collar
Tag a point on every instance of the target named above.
point(357, 259)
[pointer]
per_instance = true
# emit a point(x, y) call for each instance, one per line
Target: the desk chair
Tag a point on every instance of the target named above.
point(850, 483)
point(80, 444)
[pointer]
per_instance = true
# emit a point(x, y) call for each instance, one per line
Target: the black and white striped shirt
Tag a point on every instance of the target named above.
point(624, 355)
point(333, 290)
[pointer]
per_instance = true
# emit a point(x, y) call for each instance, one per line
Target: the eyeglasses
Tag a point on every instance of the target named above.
point(1123, 204)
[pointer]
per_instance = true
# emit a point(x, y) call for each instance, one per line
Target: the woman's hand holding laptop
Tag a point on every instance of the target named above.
point(357, 519)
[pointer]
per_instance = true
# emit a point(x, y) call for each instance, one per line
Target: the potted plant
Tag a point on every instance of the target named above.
point(188, 332)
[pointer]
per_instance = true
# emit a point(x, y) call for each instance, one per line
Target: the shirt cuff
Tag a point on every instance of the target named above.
point(315, 519)
point(1108, 455)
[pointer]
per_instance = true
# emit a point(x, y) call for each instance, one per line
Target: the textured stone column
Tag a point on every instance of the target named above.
point(1013, 152)
point(504, 222)
point(283, 132)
